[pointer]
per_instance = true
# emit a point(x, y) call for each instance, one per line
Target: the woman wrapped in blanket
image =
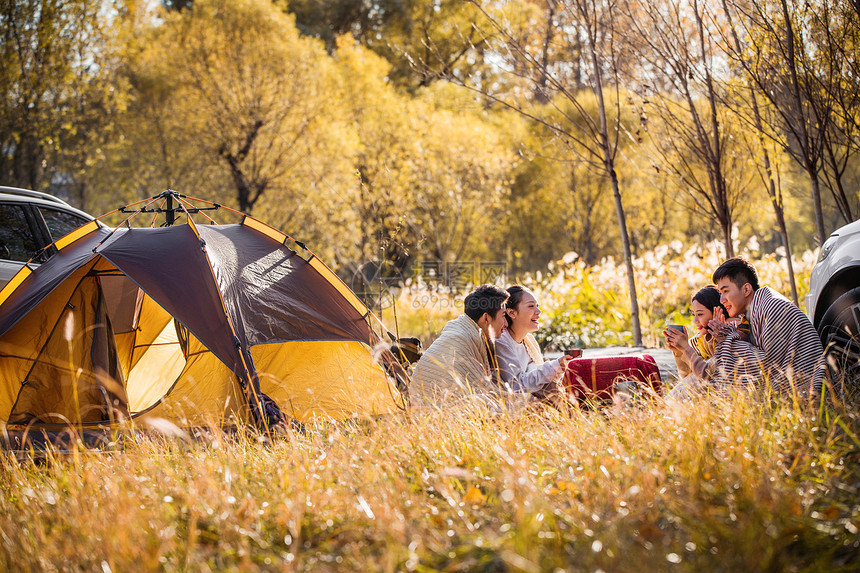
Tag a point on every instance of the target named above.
point(521, 366)
point(692, 354)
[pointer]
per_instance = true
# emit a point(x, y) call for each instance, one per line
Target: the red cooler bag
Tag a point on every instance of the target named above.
point(596, 378)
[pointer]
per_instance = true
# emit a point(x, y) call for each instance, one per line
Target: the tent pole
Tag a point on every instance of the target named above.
point(170, 215)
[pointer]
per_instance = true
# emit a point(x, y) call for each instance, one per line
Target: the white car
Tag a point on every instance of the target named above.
point(833, 302)
point(29, 222)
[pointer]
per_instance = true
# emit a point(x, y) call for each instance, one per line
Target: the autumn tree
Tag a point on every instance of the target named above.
point(378, 193)
point(558, 203)
point(591, 135)
point(234, 81)
point(59, 89)
point(555, 205)
point(751, 112)
point(834, 30)
point(788, 69)
point(692, 137)
point(458, 174)
point(428, 180)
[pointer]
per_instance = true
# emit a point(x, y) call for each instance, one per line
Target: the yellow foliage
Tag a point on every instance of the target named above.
point(474, 496)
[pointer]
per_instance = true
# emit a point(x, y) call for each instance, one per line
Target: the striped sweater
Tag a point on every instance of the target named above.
point(786, 356)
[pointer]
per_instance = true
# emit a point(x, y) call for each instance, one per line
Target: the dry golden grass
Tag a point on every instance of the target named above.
point(715, 486)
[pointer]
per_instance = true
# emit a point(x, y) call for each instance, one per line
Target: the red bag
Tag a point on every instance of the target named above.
point(598, 378)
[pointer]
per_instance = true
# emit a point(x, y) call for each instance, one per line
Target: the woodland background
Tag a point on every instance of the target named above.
point(398, 132)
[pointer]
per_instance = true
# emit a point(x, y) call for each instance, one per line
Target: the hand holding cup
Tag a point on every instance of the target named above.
point(676, 337)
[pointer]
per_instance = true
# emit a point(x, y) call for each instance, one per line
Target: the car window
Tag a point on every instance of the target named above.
point(16, 239)
point(60, 223)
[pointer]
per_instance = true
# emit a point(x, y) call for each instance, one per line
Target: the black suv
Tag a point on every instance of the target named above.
point(30, 221)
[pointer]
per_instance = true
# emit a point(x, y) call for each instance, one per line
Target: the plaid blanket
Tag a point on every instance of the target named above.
point(598, 378)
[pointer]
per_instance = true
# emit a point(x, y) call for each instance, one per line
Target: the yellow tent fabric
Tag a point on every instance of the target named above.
point(203, 392)
point(74, 377)
point(332, 379)
point(21, 345)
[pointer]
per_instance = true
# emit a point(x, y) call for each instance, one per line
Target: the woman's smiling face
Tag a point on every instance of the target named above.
point(701, 315)
point(526, 316)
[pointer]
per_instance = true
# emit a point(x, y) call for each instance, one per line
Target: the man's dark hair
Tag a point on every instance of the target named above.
point(485, 298)
point(738, 270)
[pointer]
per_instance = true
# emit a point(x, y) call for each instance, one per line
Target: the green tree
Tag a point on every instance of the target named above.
point(415, 37)
point(328, 20)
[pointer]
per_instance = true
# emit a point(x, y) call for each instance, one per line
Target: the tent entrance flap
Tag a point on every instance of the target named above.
point(124, 300)
point(76, 376)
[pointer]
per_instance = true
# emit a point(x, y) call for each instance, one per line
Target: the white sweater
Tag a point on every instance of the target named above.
point(521, 370)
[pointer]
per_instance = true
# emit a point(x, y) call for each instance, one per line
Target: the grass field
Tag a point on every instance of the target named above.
point(716, 485)
point(736, 485)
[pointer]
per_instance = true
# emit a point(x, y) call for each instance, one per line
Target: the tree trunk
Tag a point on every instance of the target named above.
point(609, 163)
point(842, 203)
point(727, 240)
point(775, 196)
point(364, 212)
point(628, 257)
point(541, 90)
point(805, 145)
point(247, 190)
point(778, 210)
point(715, 157)
point(783, 233)
point(816, 200)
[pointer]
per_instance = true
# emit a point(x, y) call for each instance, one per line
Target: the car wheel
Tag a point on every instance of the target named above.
point(840, 334)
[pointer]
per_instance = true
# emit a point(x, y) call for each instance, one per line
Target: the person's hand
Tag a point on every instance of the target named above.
point(564, 360)
point(717, 325)
point(675, 339)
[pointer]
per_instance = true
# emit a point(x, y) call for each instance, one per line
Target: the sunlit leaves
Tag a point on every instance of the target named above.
point(234, 105)
point(57, 80)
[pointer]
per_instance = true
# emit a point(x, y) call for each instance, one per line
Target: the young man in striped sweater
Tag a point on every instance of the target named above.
point(783, 353)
